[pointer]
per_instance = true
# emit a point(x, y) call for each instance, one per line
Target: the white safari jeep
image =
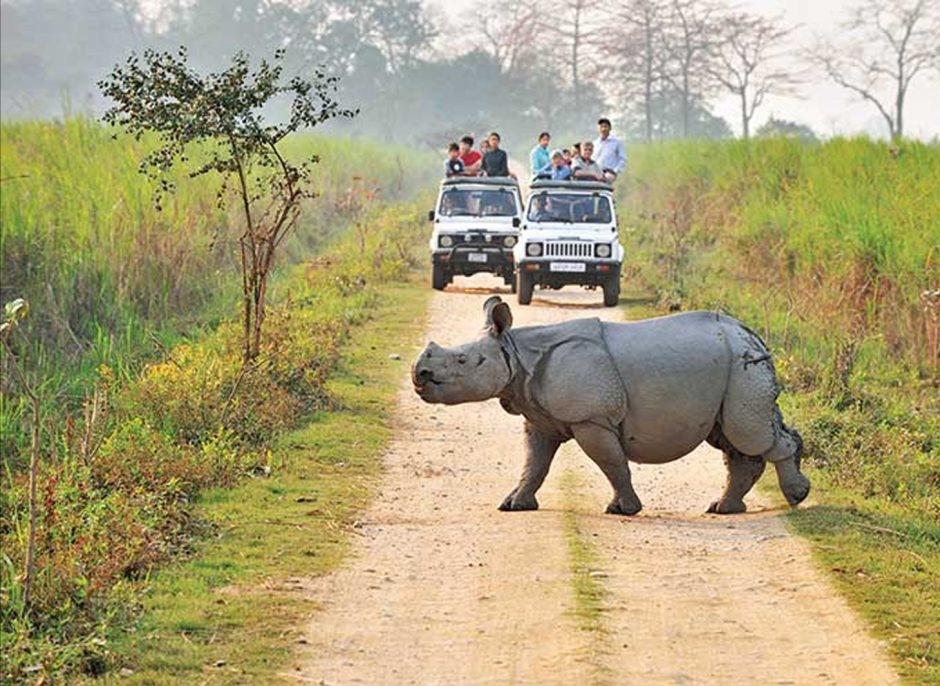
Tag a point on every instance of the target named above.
point(569, 237)
point(476, 225)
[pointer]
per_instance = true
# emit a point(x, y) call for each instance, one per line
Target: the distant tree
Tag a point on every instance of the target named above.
point(632, 47)
point(747, 62)
point(674, 117)
point(774, 127)
point(569, 32)
point(506, 29)
point(885, 45)
point(689, 37)
point(224, 113)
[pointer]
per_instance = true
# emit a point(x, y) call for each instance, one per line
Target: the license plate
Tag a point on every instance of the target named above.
point(567, 267)
point(476, 257)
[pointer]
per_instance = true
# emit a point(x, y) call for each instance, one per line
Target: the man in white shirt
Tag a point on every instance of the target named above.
point(609, 151)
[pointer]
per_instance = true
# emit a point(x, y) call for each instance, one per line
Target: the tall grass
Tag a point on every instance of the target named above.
point(122, 465)
point(832, 251)
point(106, 273)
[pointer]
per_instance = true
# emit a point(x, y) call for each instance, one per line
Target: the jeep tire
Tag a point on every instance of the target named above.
point(525, 285)
point(612, 289)
point(438, 277)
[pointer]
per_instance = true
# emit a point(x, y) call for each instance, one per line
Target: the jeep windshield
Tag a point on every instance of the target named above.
point(569, 208)
point(477, 202)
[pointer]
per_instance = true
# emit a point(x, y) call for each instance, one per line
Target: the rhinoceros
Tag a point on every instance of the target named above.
point(648, 391)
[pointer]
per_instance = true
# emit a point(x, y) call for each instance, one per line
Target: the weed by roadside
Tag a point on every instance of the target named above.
point(196, 420)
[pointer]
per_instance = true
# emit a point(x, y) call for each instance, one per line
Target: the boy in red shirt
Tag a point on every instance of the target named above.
point(472, 159)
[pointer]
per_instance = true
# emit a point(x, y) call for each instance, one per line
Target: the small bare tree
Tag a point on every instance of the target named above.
point(224, 113)
point(632, 48)
point(572, 27)
point(887, 43)
point(747, 62)
point(508, 31)
point(689, 38)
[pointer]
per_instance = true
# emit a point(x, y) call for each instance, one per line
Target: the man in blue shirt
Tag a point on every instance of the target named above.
point(609, 151)
point(539, 158)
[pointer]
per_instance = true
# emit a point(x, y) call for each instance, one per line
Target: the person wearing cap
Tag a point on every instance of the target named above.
point(556, 169)
point(610, 154)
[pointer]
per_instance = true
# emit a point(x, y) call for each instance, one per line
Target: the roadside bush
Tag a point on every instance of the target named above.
point(195, 419)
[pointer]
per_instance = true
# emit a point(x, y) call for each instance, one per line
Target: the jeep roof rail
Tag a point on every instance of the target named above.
point(540, 184)
point(481, 181)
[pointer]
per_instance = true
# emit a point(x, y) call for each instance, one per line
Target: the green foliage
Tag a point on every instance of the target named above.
point(224, 114)
point(832, 252)
point(111, 280)
point(120, 479)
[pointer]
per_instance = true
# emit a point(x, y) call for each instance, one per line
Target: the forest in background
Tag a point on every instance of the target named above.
point(656, 67)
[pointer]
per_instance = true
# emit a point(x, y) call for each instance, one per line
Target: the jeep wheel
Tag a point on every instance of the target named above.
point(438, 277)
point(525, 284)
point(612, 290)
point(510, 281)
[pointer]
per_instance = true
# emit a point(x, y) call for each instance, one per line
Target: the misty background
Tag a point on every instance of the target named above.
point(423, 73)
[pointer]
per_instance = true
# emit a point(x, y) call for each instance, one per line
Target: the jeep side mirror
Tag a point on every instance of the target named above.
point(430, 215)
point(516, 222)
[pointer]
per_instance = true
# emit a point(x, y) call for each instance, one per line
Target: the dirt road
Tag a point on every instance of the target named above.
point(444, 589)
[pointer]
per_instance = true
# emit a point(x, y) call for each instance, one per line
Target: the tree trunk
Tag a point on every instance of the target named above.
point(745, 120)
point(575, 45)
point(685, 102)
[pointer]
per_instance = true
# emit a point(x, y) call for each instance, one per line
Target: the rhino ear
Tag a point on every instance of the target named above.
point(498, 315)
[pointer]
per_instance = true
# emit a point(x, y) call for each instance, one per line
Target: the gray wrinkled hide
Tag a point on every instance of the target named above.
point(647, 391)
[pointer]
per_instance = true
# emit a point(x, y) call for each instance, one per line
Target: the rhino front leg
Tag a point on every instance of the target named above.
point(540, 450)
point(603, 446)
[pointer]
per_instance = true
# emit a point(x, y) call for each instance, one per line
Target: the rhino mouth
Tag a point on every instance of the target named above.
point(423, 379)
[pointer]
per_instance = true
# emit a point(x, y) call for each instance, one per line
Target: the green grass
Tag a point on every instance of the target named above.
point(590, 594)
point(887, 566)
point(136, 306)
point(233, 604)
point(111, 280)
point(826, 251)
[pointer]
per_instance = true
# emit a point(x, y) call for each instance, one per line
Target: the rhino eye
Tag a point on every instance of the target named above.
point(462, 359)
point(481, 360)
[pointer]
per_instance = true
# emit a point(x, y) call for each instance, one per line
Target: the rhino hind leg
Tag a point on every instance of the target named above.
point(793, 482)
point(604, 448)
point(751, 421)
point(743, 472)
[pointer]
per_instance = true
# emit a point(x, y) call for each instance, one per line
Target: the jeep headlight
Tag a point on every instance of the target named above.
point(446, 241)
point(602, 250)
point(533, 249)
point(509, 241)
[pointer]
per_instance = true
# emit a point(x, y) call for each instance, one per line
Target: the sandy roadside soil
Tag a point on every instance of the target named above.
point(444, 589)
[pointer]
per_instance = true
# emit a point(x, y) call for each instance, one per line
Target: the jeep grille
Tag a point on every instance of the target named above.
point(569, 249)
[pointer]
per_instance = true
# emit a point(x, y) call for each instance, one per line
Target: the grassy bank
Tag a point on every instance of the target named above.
point(125, 464)
point(109, 278)
point(832, 252)
point(232, 612)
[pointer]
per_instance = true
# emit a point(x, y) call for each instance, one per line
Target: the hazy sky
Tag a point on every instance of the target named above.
point(826, 107)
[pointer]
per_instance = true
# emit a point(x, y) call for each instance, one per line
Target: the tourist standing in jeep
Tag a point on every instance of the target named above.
point(609, 152)
point(539, 157)
point(495, 161)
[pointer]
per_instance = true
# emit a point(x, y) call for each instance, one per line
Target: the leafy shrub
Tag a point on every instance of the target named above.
point(196, 419)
